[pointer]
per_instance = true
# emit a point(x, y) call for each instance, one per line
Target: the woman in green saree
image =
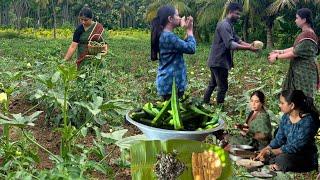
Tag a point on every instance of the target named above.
point(303, 72)
point(256, 131)
point(87, 30)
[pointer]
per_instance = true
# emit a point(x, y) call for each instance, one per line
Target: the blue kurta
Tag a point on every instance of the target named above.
point(171, 63)
point(297, 137)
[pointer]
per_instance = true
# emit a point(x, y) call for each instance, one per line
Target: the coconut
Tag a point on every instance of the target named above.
point(258, 44)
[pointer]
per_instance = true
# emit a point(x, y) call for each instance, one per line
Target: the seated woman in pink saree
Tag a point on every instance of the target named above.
point(87, 30)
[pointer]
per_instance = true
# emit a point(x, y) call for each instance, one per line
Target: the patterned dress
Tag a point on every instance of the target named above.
point(297, 142)
point(260, 124)
point(303, 73)
point(171, 62)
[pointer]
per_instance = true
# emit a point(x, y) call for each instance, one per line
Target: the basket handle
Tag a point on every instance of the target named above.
point(100, 36)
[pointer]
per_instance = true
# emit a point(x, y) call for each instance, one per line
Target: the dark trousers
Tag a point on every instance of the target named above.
point(219, 79)
point(296, 162)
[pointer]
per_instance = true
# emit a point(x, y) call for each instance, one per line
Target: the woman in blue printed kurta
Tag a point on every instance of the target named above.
point(171, 49)
point(294, 148)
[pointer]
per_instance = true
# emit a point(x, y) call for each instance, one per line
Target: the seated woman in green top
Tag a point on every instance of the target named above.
point(303, 72)
point(87, 30)
point(256, 131)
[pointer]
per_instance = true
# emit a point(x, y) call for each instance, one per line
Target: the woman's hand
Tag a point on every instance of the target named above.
point(241, 126)
point(237, 126)
point(183, 22)
point(276, 51)
point(273, 57)
point(189, 23)
point(244, 131)
point(71, 50)
point(263, 153)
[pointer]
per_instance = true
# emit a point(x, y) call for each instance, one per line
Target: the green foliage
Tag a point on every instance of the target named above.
point(104, 89)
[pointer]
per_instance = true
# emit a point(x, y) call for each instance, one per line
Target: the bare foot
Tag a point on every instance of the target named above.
point(274, 167)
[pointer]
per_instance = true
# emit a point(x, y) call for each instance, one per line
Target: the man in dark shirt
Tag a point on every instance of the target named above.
point(220, 58)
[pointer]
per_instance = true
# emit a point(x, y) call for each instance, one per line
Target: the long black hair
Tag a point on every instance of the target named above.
point(302, 103)
point(305, 13)
point(157, 26)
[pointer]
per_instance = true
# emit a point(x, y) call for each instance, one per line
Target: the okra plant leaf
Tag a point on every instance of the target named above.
point(116, 135)
point(19, 120)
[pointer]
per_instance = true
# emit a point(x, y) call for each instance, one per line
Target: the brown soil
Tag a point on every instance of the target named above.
point(50, 139)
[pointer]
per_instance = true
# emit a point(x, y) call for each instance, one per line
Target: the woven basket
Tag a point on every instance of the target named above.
point(94, 49)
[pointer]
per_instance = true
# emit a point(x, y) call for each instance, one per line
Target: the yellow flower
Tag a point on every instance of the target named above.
point(3, 97)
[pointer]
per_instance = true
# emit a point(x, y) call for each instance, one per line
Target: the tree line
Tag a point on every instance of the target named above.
point(266, 20)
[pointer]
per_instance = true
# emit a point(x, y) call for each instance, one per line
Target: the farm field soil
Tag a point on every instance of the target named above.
point(47, 137)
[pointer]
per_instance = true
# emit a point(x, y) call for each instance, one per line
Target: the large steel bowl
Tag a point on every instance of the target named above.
point(153, 133)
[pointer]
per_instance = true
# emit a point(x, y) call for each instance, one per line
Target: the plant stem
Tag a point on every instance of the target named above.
point(64, 146)
point(107, 155)
point(39, 145)
point(6, 128)
point(65, 118)
point(31, 109)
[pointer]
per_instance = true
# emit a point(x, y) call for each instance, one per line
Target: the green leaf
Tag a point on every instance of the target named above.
point(33, 116)
point(144, 156)
point(101, 168)
point(94, 112)
point(83, 76)
point(19, 120)
point(84, 131)
point(126, 143)
point(98, 56)
point(97, 102)
point(2, 116)
point(93, 107)
point(116, 135)
point(39, 94)
point(55, 77)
